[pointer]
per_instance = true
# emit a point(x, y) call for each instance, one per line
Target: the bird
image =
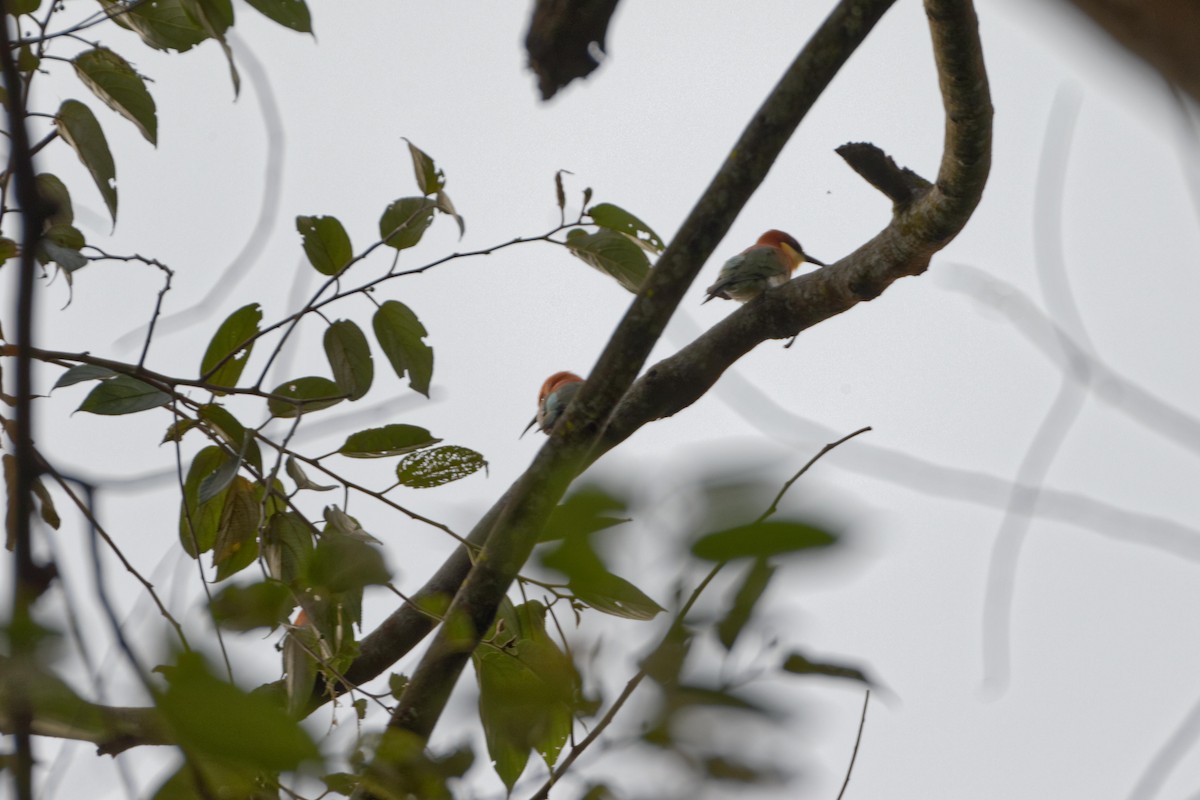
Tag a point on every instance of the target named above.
point(767, 263)
point(553, 399)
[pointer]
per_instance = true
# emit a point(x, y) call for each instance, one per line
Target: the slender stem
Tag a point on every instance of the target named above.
point(30, 578)
point(857, 741)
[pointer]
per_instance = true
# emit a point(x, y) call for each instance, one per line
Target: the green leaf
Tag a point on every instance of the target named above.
point(326, 243)
point(288, 13)
point(55, 193)
point(297, 474)
point(64, 235)
point(79, 128)
point(27, 59)
point(606, 215)
point(403, 768)
point(218, 481)
point(66, 257)
point(23, 6)
point(614, 595)
point(349, 358)
point(590, 580)
point(747, 596)
point(237, 547)
point(234, 781)
point(440, 465)
point(48, 513)
point(218, 420)
point(214, 17)
point(338, 520)
point(83, 372)
point(310, 394)
point(8, 249)
point(123, 395)
point(404, 222)
point(61, 243)
point(614, 254)
point(259, 605)
point(288, 546)
point(445, 206)
point(162, 24)
point(342, 783)
point(528, 690)
point(177, 429)
point(198, 522)
point(430, 179)
point(397, 683)
point(230, 347)
point(344, 564)
point(114, 81)
point(401, 336)
point(761, 540)
point(797, 664)
point(560, 194)
point(215, 720)
point(585, 511)
point(390, 440)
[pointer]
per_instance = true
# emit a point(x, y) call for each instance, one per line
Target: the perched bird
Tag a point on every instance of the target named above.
point(770, 262)
point(553, 400)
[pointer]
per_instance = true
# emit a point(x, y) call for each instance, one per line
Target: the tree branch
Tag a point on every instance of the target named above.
point(573, 445)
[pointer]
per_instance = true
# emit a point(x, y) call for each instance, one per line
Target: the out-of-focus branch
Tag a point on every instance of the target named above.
point(1160, 32)
point(573, 444)
point(562, 39)
point(59, 712)
point(30, 579)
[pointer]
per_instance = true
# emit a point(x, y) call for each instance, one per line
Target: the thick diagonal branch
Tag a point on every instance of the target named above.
point(528, 504)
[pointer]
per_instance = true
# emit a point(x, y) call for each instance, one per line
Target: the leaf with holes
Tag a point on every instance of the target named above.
point(614, 254)
point(606, 215)
point(430, 179)
point(401, 335)
point(438, 466)
point(404, 222)
point(326, 243)
point(304, 395)
point(230, 347)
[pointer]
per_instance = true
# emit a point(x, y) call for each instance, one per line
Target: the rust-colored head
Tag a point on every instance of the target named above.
point(788, 244)
point(556, 382)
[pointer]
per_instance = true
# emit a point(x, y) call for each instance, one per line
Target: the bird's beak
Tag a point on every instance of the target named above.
point(532, 422)
point(816, 261)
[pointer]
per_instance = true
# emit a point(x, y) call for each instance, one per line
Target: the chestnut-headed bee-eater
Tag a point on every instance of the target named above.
point(767, 263)
point(553, 399)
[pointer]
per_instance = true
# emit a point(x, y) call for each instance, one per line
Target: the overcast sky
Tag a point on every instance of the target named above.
point(1103, 651)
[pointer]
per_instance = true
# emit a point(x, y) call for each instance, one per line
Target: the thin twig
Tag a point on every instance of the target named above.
point(857, 741)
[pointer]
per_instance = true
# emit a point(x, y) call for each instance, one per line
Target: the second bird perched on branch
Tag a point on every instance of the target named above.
point(553, 399)
point(769, 262)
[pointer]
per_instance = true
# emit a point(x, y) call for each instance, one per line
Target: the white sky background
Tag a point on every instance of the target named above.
point(1104, 651)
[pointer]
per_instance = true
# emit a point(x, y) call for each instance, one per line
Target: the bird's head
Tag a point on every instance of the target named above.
point(788, 244)
point(556, 382)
